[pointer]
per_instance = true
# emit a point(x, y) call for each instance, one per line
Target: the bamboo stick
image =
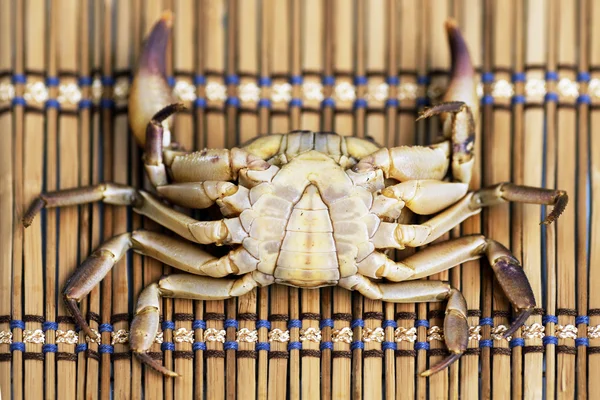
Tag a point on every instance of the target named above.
point(217, 136)
point(17, 228)
point(535, 56)
point(566, 166)
point(32, 160)
point(594, 223)
point(313, 33)
point(7, 192)
point(183, 66)
point(583, 191)
point(468, 14)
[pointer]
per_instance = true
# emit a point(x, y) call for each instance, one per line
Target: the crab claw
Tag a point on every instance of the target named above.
point(150, 91)
point(462, 86)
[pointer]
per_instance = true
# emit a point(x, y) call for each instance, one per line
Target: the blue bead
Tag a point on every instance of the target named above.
point(487, 77)
point(584, 99)
point(105, 328)
point(294, 346)
point(326, 323)
point(19, 79)
point(264, 103)
point(517, 342)
point(551, 96)
point(583, 341)
point(392, 80)
point(583, 76)
point(296, 102)
point(550, 340)
point(230, 345)
point(518, 99)
point(360, 80)
point(49, 348)
point(392, 102)
point(422, 101)
point(106, 348)
point(199, 80)
point(328, 80)
point(422, 322)
point(17, 346)
point(389, 323)
point(168, 325)
point(200, 102)
point(52, 103)
point(388, 346)
point(167, 346)
point(199, 324)
point(231, 323)
point(582, 319)
point(487, 99)
point(171, 81)
point(486, 343)
point(263, 323)
point(49, 326)
point(107, 103)
point(549, 319)
point(357, 323)
point(264, 81)
point(422, 80)
point(357, 345)
point(85, 104)
point(263, 346)
point(360, 103)
point(328, 102)
point(18, 101)
point(107, 80)
point(326, 346)
point(199, 346)
point(551, 76)
point(52, 81)
point(233, 102)
point(232, 80)
point(518, 77)
point(486, 321)
point(294, 323)
point(296, 80)
point(80, 347)
point(85, 81)
point(17, 324)
point(422, 346)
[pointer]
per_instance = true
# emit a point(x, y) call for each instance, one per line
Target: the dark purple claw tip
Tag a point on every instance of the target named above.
point(152, 59)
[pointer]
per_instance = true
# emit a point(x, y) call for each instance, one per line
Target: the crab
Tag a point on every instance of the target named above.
point(304, 209)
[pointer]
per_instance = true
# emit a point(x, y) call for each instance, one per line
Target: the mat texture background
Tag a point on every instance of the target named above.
point(249, 67)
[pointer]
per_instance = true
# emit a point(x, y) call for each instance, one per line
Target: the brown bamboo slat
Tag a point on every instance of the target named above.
point(336, 62)
point(7, 190)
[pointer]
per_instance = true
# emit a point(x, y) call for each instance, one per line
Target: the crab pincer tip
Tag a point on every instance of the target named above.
point(167, 17)
point(451, 24)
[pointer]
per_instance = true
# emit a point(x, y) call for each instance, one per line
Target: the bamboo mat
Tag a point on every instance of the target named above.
point(252, 67)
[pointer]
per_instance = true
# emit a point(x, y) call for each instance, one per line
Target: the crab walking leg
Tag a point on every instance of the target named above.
point(204, 232)
point(442, 256)
point(145, 322)
point(400, 235)
point(456, 327)
point(171, 251)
